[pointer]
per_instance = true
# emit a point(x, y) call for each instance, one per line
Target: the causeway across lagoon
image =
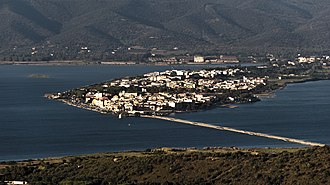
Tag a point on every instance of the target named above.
point(235, 130)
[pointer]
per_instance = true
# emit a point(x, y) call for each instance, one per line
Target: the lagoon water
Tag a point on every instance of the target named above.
point(32, 126)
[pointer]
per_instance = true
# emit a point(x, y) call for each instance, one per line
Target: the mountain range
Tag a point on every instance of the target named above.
point(188, 25)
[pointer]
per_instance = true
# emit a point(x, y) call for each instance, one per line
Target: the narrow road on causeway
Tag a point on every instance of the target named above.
point(235, 130)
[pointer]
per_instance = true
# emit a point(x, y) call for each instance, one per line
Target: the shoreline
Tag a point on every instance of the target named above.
point(174, 149)
point(164, 113)
point(128, 63)
point(272, 94)
point(82, 107)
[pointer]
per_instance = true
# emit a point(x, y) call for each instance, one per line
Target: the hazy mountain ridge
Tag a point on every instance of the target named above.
point(109, 24)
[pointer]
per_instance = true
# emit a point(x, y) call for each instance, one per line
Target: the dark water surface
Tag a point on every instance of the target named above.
point(33, 127)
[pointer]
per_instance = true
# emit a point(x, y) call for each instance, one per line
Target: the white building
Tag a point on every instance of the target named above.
point(198, 59)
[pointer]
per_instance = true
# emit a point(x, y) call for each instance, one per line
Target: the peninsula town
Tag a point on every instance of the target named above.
point(166, 92)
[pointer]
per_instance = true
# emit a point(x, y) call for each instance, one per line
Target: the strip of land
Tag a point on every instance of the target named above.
point(82, 62)
point(235, 130)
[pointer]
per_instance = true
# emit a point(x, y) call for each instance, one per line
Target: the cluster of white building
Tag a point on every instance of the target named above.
point(144, 102)
point(199, 87)
point(312, 59)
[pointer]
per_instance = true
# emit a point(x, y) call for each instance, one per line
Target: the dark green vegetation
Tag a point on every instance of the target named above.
point(58, 29)
point(170, 166)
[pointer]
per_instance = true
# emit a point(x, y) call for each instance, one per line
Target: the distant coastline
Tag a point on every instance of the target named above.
point(48, 63)
point(119, 63)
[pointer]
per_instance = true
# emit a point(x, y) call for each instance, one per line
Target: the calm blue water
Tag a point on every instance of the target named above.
point(33, 127)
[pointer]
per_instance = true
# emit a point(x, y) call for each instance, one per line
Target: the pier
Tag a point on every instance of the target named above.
point(286, 139)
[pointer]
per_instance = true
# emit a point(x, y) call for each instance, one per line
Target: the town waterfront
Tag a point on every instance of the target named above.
point(32, 126)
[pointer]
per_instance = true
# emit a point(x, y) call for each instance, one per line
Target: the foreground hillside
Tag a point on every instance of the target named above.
point(60, 28)
point(169, 166)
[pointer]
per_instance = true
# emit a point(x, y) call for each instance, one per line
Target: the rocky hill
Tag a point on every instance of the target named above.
point(60, 28)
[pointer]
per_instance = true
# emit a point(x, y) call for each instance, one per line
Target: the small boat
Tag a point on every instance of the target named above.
point(230, 106)
point(119, 116)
